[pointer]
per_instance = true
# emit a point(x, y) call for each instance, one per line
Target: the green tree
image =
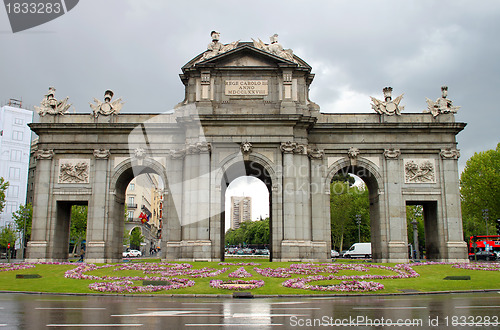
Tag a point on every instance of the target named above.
point(345, 203)
point(250, 232)
point(480, 190)
point(3, 187)
point(78, 228)
point(7, 235)
point(415, 212)
point(23, 218)
point(136, 238)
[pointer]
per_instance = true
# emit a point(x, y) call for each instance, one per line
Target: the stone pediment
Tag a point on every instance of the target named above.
point(244, 55)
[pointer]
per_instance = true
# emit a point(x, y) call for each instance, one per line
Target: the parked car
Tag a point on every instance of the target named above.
point(334, 254)
point(132, 253)
point(484, 255)
point(359, 250)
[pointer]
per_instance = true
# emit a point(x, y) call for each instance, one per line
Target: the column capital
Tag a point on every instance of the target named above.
point(101, 153)
point(449, 153)
point(44, 154)
point(392, 153)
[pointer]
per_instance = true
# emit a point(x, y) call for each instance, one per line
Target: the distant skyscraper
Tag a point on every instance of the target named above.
point(241, 210)
point(15, 142)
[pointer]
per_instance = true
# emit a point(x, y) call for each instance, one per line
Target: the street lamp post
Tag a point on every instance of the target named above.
point(415, 240)
point(358, 221)
point(485, 216)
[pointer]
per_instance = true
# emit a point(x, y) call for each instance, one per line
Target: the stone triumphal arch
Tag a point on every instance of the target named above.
point(246, 112)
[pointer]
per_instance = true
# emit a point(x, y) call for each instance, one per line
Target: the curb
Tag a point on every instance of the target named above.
point(213, 296)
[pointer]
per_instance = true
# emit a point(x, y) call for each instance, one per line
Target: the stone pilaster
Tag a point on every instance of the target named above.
point(102, 241)
point(456, 248)
point(173, 206)
point(38, 247)
point(289, 231)
point(393, 227)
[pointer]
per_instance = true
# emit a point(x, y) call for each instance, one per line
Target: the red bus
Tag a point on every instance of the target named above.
point(479, 243)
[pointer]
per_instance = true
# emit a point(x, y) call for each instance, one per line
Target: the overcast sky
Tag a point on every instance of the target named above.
point(357, 47)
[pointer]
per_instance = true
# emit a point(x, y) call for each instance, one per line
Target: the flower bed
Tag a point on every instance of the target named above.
point(240, 273)
point(128, 286)
point(236, 284)
point(344, 286)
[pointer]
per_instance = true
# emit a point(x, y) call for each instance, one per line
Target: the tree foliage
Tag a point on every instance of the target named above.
point(136, 238)
point(480, 190)
point(249, 233)
point(7, 235)
point(416, 212)
point(23, 219)
point(345, 203)
point(3, 187)
point(78, 227)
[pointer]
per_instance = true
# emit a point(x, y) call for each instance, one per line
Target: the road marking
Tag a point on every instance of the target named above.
point(70, 308)
point(57, 300)
point(166, 313)
point(256, 315)
point(103, 325)
point(477, 306)
point(173, 309)
point(375, 308)
point(290, 303)
point(289, 308)
point(233, 325)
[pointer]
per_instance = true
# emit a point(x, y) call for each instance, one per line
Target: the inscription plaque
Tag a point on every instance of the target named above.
point(246, 87)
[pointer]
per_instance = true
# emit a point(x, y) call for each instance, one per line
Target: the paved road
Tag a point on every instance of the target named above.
point(451, 311)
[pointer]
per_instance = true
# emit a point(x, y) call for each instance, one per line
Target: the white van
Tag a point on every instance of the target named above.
point(359, 250)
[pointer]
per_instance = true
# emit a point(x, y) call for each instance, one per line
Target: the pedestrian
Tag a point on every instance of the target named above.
point(82, 254)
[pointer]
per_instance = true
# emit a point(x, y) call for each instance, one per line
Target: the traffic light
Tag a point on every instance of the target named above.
point(498, 226)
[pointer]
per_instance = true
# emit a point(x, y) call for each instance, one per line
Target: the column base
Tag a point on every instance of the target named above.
point(188, 251)
point(304, 251)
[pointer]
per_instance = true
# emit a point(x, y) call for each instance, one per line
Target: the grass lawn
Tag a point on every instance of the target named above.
point(431, 278)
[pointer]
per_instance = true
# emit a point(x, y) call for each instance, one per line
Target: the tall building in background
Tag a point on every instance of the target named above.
point(241, 210)
point(15, 142)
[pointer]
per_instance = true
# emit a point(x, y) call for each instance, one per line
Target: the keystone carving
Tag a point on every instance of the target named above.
point(246, 147)
point(353, 154)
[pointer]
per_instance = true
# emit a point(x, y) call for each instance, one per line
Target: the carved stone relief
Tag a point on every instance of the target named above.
point(353, 154)
point(392, 153)
point(246, 147)
point(44, 154)
point(101, 154)
point(74, 171)
point(420, 171)
point(449, 153)
point(315, 153)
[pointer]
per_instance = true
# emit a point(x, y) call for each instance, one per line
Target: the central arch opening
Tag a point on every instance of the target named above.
point(254, 177)
point(359, 187)
point(137, 214)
